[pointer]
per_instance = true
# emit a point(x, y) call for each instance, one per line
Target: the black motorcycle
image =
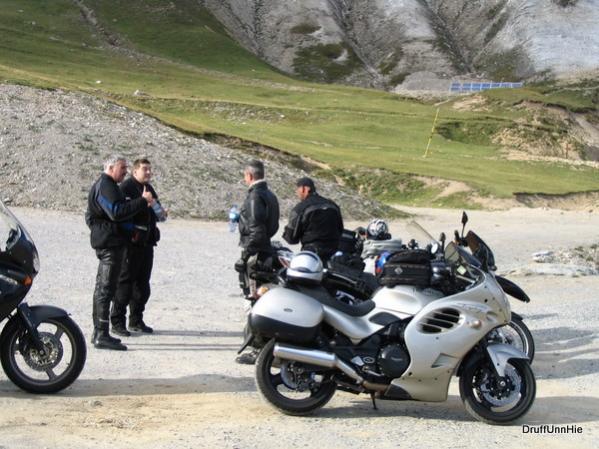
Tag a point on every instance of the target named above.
point(42, 349)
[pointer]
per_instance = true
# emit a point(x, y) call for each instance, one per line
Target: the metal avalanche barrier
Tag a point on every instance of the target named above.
point(477, 87)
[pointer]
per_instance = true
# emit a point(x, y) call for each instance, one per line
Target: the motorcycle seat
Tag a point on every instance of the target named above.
point(320, 294)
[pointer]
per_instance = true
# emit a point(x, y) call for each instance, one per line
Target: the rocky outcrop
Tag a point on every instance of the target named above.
point(381, 42)
point(579, 261)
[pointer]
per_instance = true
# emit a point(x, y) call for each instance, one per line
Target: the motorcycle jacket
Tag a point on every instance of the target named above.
point(145, 231)
point(258, 219)
point(315, 222)
point(106, 209)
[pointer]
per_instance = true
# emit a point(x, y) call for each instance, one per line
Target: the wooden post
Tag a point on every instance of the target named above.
point(432, 132)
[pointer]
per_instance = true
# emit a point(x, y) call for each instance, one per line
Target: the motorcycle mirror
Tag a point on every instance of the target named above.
point(442, 239)
point(360, 232)
point(464, 221)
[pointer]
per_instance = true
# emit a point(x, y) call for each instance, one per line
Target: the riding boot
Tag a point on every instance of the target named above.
point(105, 341)
point(95, 335)
point(140, 326)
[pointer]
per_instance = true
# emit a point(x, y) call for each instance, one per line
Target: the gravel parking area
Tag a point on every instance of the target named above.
point(180, 388)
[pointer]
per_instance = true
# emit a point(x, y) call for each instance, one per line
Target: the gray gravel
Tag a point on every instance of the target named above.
point(53, 144)
point(179, 388)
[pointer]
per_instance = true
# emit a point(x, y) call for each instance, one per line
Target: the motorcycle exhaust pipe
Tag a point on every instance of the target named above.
point(315, 357)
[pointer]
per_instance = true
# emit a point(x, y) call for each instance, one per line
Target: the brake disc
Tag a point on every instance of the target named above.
point(294, 377)
point(53, 352)
point(499, 396)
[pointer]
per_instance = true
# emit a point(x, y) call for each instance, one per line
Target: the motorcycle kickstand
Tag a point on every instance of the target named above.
point(373, 401)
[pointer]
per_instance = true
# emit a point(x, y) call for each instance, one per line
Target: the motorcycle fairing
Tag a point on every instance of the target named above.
point(444, 331)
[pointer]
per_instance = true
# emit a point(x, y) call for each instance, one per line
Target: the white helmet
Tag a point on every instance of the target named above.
point(377, 230)
point(306, 267)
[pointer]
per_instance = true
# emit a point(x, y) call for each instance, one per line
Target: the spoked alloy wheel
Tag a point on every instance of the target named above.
point(494, 400)
point(56, 368)
point(515, 333)
point(290, 386)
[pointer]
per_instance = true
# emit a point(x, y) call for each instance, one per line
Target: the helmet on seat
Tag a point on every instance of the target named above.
point(305, 267)
point(378, 230)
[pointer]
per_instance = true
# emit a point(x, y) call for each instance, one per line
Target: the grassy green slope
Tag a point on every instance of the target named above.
point(200, 80)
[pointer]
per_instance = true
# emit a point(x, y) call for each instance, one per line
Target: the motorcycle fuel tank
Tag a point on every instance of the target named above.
point(405, 299)
point(287, 315)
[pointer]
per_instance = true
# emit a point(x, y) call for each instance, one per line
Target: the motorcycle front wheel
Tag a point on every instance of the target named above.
point(290, 386)
point(495, 400)
point(517, 334)
point(56, 368)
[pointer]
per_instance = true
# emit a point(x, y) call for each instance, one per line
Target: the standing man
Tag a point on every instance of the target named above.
point(315, 221)
point(258, 222)
point(107, 212)
point(133, 288)
point(259, 215)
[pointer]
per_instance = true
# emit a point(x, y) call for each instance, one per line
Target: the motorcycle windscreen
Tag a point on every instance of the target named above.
point(480, 250)
point(422, 237)
point(460, 261)
point(16, 245)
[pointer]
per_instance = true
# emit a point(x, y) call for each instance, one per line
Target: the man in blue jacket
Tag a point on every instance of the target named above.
point(107, 214)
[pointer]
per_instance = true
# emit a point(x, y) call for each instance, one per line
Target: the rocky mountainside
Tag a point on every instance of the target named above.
point(389, 43)
point(53, 144)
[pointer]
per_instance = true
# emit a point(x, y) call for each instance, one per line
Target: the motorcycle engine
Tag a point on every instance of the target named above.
point(393, 360)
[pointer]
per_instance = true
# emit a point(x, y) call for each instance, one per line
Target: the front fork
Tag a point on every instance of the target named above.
point(31, 323)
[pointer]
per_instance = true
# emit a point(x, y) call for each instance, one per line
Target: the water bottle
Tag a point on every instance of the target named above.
point(159, 211)
point(233, 218)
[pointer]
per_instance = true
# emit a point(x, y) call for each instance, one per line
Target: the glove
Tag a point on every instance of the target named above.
point(240, 265)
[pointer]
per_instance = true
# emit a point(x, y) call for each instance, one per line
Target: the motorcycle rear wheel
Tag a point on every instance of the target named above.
point(270, 380)
point(486, 401)
point(59, 367)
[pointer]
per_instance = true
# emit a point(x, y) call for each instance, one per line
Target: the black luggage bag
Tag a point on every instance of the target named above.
point(408, 267)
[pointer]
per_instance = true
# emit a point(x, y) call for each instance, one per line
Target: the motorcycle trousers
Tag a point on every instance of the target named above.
point(106, 282)
point(133, 287)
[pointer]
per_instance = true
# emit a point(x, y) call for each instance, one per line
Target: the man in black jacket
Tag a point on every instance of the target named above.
point(258, 222)
point(106, 216)
point(315, 221)
point(133, 287)
point(259, 215)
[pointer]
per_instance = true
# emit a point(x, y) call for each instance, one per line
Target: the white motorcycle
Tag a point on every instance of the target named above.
point(374, 254)
point(404, 344)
